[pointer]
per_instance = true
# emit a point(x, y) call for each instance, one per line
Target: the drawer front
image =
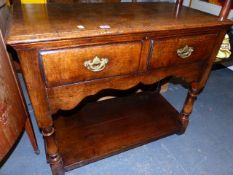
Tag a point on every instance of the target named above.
point(87, 63)
point(174, 51)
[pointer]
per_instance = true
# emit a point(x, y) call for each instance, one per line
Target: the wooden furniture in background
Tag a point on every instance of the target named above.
point(72, 53)
point(14, 116)
point(225, 10)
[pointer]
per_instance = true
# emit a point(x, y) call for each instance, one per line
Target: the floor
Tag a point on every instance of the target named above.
point(205, 149)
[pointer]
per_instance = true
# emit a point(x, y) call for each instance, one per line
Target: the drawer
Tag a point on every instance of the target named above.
point(78, 64)
point(189, 48)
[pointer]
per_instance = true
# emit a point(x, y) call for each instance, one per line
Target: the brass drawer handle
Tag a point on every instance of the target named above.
point(97, 64)
point(185, 52)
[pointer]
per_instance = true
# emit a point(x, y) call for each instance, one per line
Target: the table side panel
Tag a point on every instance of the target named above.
point(35, 86)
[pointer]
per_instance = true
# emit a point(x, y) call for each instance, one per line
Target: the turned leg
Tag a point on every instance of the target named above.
point(31, 135)
point(54, 158)
point(188, 106)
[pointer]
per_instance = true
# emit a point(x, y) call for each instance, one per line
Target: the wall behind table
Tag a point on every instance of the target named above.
point(206, 7)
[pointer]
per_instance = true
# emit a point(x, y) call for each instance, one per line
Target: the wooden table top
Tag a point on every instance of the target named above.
point(33, 23)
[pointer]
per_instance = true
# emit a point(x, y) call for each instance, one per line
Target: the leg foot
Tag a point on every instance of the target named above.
point(31, 135)
point(37, 152)
point(54, 158)
point(187, 108)
point(56, 165)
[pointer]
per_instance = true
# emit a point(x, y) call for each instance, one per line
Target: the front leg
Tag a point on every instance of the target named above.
point(37, 92)
point(188, 106)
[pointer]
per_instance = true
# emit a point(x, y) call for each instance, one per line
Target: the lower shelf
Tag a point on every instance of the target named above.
point(104, 128)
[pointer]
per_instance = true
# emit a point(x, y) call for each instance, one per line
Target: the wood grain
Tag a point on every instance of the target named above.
point(67, 66)
point(46, 23)
point(164, 52)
